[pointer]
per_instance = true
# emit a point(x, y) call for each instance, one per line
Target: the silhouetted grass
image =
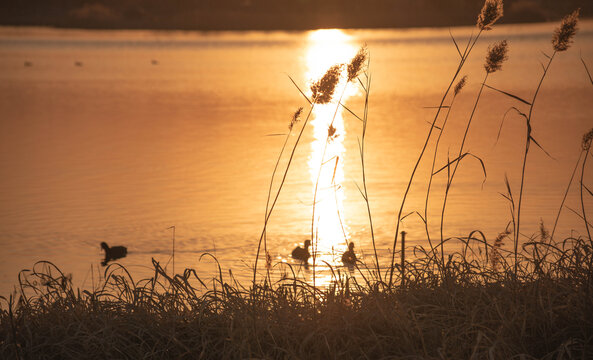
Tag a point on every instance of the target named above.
point(543, 311)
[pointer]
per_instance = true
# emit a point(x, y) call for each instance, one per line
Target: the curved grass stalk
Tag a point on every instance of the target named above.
point(271, 208)
point(470, 45)
point(431, 176)
point(582, 186)
point(457, 161)
point(270, 192)
point(527, 144)
point(566, 194)
point(367, 90)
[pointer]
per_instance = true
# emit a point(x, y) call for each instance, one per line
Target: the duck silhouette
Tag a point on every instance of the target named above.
point(302, 254)
point(349, 257)
point(113, 253)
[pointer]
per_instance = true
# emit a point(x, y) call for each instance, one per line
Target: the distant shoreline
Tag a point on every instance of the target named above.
point(18, 28)
point(272, 15)
point(263, 29)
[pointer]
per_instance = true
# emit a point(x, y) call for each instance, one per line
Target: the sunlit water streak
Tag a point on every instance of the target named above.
point(329, 226)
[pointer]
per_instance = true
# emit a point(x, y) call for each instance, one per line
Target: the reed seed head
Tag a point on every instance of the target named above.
point(460, 84)
point(564, 34)
point(491, 12)
point(544, 234)
point(324, 88)
point(268, 260)
point(587, 138)
point(331, 133)
point(357, 63)
point(295, 118)
point(495, 256)
point(497, 54)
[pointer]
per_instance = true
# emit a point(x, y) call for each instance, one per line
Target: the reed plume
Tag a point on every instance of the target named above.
point(563, 36)
point(460, 84)
point(296, 117)
point(324, 88)
point(495, 255)
point(587, 138)
point(357, 63)
point(491, 12)
point(497, 54)
point(331, 133)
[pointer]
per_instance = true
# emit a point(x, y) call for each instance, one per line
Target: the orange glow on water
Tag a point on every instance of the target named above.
point(326, 162)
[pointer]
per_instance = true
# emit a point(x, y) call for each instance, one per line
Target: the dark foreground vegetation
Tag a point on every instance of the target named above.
point(270, 14)
point(468, 310)
point(510, 297)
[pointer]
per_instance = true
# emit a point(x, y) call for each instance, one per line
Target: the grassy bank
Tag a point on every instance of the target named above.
point(509, 297)
point(470, 311)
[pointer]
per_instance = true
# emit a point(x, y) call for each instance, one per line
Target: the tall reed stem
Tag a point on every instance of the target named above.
point(270, 192)
point(403, 259)
point(269, 213)
point(367, 89)
point(582, 201)
point(431, 176)
point(464, 56)
point(457, 161)
point(566, 194)
point(527, 143)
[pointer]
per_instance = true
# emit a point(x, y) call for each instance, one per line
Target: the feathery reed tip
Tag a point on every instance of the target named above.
point(296, 117)
point(324, 88)
point(497, 54)
point(568, 28)
point(491, 12)
point(587, 138)
point(268, 260)
point(495, 255)
point(460, 84)
point(544, 234)
point(357, 63)
point(331, 133)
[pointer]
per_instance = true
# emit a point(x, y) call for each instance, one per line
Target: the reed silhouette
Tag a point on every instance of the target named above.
point(491, 12)
point(561, 40)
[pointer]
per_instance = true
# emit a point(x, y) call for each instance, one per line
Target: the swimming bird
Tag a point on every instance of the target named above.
point(349, 257)
point(302, 254)
point(113, 253)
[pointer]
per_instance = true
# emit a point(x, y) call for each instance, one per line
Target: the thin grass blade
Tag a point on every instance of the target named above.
point(299, 89)
point(508, 94)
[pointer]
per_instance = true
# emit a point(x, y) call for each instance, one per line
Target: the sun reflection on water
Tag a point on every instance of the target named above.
point(326, 162)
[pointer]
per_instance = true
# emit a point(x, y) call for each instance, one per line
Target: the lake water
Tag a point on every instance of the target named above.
point(117, 136)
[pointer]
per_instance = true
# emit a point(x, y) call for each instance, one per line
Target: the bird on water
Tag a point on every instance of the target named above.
point(113, 252)
point(300, 253)
point(349, 257)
